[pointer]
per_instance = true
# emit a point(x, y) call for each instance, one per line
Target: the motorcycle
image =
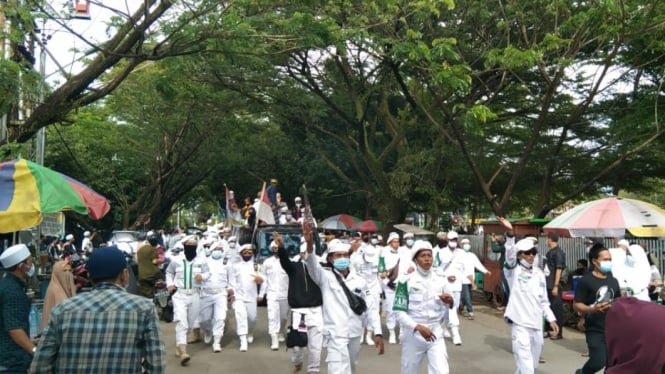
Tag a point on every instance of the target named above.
point(163, 302)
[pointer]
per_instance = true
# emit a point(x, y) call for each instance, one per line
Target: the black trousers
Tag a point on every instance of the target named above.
point(595, 341)
point(556, 304)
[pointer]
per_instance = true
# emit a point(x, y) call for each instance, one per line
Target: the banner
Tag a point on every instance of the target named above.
point(401, 303)
point(263, 209)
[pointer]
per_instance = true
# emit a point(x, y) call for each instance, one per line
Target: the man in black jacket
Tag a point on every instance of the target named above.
point(305, 300)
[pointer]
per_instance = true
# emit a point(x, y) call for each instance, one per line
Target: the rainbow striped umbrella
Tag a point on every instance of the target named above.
point(29, 190)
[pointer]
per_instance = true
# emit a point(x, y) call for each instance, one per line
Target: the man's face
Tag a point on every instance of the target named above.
point(336, 255)
point(529, 256)
point(424, 259)
point(603, 255)
point(394, 243)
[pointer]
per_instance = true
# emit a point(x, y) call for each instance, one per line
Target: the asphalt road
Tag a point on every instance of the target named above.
point(486, 349)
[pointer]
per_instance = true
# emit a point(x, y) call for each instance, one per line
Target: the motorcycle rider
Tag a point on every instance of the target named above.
point(217, 289)
point(148, 261)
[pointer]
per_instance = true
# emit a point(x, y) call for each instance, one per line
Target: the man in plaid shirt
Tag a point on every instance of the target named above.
point(107, 330)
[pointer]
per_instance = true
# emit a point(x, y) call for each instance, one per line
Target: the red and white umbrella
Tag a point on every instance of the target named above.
point(610, 217)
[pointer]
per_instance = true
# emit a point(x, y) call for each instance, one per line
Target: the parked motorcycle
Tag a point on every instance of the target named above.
point(163, 302)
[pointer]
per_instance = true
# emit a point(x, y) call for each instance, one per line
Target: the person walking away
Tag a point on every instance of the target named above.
point(528, 303)
point(183, 280)
point(107, 330)
point(247, 279)
point(556, 261)
point(342, 326)
point(471, 264)
point(275, 291)
point(60, 288)
point(16, 348)
point(428, 297)
point(148, 262)
point(305, 300)
point(594, 295)
point(217, 291)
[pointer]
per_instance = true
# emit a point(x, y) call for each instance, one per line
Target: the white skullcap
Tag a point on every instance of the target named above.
point(298, 198)
point(273, 244)
point(441, 235)
point(525, 245)
point(245, 246)
point(408, 235)
point(419, 246)
point(86, 233)
point(338, 247)
point(465, 240)
point(69, 237)
point(379, 237)
point(233, 239)
point(623, 243)
point(452, 235)
point(284, 209)
point(333, 242)
point(392, 236)
point(532, 238)
point(226, 229)
point(14, 255)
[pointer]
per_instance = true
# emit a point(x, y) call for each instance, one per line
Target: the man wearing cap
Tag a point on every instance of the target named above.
point(342, 326)
point(429, 297)
point(217, 290)
point(556, 261)
point(246, 279)
point(471, 264)
point(365, 262)
point(452, 264)
point(528, 302)
point(275, 291)
point(183, 279)
point(68, 247)
point(231, 254)
point(305, 300)
point(107, 330)
point(389, 271)
point(16, 349)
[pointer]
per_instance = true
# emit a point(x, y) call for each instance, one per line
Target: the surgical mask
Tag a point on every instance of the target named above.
point(31, 271)
point(207, 252)
point(409, 242)
point(605, 266)
point(232, 245)
point(216, 255)
point(452, 245)
point(466, 247)
point(630, 260)
point(422, 271)
point(526, 264)
point(374, 241)
point(342, 263)
point(190, 252)
point(246, 257)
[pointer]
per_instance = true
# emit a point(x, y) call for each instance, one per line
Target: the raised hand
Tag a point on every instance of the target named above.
point(505, 223)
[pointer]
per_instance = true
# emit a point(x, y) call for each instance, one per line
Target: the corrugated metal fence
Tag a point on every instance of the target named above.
point(573, 247)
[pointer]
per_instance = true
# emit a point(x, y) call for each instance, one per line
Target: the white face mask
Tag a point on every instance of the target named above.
point(452, 245)
point(31, 271)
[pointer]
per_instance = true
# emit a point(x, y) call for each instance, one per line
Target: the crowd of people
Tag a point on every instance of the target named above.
point(338, 300)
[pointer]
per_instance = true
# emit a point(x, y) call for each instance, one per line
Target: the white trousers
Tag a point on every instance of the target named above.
point(342, 354)
point(373, 306)
point(185, 315)
point(314, 341)
point(245, 313)
point(451, 314)
point(277, 314)
point(391, 317)
point(527, 346)
point(213, 312)
point(415, 348)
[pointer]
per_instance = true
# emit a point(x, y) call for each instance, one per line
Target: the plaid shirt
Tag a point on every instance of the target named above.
point(106, 330)
point(14, 315)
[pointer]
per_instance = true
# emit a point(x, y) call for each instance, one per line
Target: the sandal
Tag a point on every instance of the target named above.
point(541, 360)
point(470, 317)
point(547, 335)
point(556, 337)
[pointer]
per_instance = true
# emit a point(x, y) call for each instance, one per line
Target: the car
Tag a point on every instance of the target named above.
point(127, 241)
point(263, 235)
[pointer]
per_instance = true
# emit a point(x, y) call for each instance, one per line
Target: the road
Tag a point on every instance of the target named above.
point(486, 349)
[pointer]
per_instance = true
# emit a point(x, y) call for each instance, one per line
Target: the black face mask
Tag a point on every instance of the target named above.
point(443, 243)
point(190, 252)
point(246, 257)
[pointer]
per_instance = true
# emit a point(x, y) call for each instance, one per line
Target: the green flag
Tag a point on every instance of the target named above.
point(401, 303)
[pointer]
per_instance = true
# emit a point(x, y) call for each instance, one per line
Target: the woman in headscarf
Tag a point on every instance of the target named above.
point(59, 289)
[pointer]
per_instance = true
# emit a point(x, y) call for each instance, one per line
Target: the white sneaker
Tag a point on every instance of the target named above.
point(243, 344)
point(207, 337)
point(392, 339)
point(280, 337)
point(369, 338)
point(457, 339)
point(274, 344)
point(250, 339)
point(446, 333)
point(216, 348)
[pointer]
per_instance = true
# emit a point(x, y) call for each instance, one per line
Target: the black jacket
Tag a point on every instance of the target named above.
point(303, 292)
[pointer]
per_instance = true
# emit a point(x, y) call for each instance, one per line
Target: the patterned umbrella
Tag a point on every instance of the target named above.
point(369, 225)
point(339, 222)
point(610, 217)
point(29, 190)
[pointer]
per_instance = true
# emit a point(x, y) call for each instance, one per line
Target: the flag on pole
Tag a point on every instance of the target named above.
point(263, 209)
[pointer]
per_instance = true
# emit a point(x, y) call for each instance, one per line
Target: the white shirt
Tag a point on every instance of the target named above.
point(452, 263)
point(86, 245)
point(528, 303)
point(338, 318)
point(180, 272)
point(425, 306)
point(471, 263)
point(365, 262)
point(276, 281)
point(220, 275)
point(244, 274)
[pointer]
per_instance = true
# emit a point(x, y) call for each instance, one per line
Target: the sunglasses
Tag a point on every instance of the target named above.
point(530, 253)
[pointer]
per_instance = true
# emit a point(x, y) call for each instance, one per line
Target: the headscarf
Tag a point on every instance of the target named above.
point(634, 335)
point(59, 289)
